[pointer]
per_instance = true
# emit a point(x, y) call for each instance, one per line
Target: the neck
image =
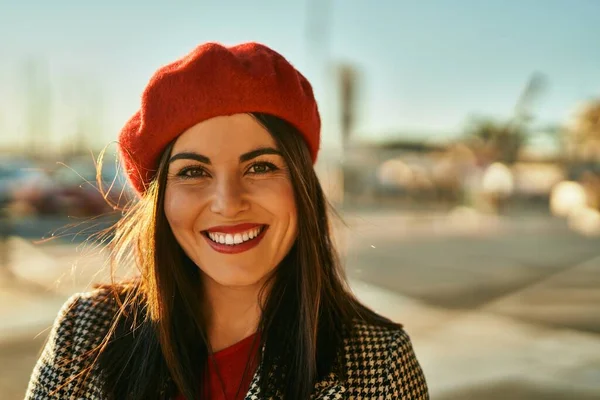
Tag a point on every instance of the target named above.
point(233, 313)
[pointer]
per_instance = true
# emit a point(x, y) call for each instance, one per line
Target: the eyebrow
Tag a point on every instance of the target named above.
point(243, 158)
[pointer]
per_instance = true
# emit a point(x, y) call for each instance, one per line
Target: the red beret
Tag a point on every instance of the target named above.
point(211, 81)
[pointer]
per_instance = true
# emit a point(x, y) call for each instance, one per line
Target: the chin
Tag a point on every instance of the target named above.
point(236, 276)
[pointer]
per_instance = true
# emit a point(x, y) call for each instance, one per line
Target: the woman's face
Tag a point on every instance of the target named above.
point(229, 200)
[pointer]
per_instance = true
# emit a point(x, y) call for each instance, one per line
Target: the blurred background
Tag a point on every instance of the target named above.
point(461, 145)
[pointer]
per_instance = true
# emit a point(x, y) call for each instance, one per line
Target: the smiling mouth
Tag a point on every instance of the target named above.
point(234, 239)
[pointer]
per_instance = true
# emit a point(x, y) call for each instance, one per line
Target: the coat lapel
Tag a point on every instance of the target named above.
point(329, 388)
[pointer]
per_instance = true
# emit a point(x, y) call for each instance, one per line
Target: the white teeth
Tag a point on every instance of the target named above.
point(233, 239)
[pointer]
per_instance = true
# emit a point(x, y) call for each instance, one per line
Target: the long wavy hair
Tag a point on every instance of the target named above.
point(157, 345)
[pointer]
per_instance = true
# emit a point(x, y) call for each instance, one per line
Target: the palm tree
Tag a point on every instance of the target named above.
point(496, 140)
point(584, 132)
point(502, 140)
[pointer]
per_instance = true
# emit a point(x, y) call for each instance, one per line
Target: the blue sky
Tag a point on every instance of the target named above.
point(425, 66)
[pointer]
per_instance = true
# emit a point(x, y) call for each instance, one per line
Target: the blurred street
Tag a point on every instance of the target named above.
point(497, 307)
point(461, 144)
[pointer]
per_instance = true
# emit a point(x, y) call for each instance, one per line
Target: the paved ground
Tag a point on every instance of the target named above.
point(532, 269)
point(496, 308)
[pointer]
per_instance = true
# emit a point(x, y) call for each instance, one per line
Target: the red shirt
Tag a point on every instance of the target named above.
point(231, 363)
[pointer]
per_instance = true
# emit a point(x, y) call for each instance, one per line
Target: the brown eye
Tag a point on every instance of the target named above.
point(192, 172)
point(260, 168)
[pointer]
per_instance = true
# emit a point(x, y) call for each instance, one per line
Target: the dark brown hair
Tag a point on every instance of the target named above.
point(157, 346)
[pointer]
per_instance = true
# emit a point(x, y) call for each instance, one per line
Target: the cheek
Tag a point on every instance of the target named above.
point(180, 207)
point(277, 196)
point(288, 205)
point(287, 211)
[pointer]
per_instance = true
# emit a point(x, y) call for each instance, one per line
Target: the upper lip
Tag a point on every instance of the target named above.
point(234, 228)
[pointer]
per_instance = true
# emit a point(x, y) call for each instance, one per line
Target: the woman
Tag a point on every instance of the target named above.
point(239, 293)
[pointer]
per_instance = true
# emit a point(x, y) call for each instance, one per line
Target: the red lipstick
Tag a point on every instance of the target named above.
point(233, 229)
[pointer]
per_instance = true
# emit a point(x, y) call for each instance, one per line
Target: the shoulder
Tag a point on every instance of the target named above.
point(382, 340)
point(78, 330)
point(86, 317)
point(381, 359)
point(377, 343)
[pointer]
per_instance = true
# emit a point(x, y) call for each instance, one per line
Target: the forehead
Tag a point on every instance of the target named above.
point(224, 137)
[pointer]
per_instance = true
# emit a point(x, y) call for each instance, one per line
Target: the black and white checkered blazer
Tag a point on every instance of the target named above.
point(380, 361)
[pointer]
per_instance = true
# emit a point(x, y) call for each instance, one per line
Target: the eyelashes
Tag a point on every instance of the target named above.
point(192, 172)
point(262, 167)
point(257, 168)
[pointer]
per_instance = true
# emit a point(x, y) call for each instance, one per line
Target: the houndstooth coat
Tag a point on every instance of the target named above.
point(381, 363)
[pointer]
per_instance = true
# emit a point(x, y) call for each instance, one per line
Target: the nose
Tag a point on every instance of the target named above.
point(229, 197)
